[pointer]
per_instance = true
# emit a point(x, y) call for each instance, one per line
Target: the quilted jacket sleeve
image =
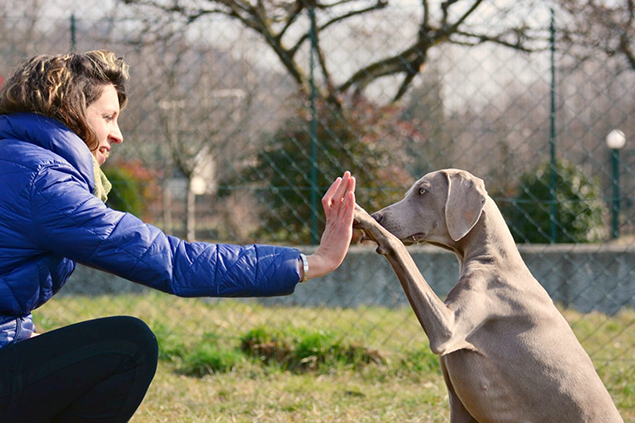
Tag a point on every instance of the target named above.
point(71, 222)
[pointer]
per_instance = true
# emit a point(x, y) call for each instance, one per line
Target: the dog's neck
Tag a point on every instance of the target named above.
point(490, 240)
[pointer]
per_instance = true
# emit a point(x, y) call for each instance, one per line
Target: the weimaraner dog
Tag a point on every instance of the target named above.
point(506, 352)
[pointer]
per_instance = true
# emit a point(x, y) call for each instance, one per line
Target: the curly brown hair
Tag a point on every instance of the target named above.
point(63, 86)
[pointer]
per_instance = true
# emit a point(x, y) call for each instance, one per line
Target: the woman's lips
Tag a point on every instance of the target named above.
point(102, 155)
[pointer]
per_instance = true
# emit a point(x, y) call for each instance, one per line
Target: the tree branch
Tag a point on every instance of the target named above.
point(444, 8)
point(380, 5)
point(403, 62)
point(411, 60)
point(627, 49)
point(607, 27)
point(293, 16)
point(425, 22)
point(496, 39)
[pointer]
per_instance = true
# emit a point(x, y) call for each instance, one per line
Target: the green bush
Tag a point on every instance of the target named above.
point(363, 139)
point(208, 357)
point(302, 349)
point(579, 207)
point(266, 345)
point(126, 194)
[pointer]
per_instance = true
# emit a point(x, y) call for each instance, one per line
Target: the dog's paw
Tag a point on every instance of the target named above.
point(361, 219)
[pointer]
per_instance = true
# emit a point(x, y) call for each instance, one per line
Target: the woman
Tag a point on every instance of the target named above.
point(58, 124)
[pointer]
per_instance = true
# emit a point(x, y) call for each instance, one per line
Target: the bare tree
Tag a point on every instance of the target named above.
point(593, 25)
point(285, 26)
point(199, 116)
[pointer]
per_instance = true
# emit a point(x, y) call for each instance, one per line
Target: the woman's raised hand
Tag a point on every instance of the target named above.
point(339, 205)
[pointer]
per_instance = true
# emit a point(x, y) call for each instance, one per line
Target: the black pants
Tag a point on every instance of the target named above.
point(95, 371)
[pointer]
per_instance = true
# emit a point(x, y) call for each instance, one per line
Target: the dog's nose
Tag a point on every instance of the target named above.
point(377, 216)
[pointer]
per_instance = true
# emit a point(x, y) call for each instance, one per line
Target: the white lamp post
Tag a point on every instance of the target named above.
point(615, 140)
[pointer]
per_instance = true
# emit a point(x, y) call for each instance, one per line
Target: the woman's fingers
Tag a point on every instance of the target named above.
point(339, 207)
point(343, 186)
point(347, 202)
point(350, 203)
point(328, 197)
point(336, 193)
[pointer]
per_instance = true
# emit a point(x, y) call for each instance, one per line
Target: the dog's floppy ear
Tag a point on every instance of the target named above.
point(466, 199)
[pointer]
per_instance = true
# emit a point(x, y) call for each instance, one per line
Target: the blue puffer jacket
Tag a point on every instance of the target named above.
point(49, 219)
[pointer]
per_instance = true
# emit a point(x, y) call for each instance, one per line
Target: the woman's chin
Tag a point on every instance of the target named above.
point(101, 159)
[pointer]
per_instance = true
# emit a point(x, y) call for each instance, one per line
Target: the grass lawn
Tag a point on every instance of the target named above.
point(311, 364)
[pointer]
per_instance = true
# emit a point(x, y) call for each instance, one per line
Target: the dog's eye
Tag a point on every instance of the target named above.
point(422, 191)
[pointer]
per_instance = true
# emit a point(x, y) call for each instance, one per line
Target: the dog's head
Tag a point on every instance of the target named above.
point(441, 208)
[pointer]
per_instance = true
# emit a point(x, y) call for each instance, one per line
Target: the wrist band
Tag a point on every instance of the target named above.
point(305, 268)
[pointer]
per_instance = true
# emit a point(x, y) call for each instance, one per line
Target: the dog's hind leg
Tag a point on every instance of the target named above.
point(458, 413)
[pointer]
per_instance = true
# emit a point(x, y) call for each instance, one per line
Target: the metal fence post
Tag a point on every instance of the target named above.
point(615, 141)
point(313, 174)
point(615, 226)
point(553, 211)
point(73, 34)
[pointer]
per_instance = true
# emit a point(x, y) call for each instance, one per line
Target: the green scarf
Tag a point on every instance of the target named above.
point(102, 184)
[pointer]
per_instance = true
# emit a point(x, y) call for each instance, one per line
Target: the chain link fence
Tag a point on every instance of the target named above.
point(239, 117)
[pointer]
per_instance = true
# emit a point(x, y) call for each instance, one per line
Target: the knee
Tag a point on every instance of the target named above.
point(137, 333)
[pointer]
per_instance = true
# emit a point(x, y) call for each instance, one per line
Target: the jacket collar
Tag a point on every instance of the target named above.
point(52, 135)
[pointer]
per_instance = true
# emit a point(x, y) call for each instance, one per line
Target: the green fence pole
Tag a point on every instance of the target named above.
point(553, 213)
point(615, 220)
point(73, 34)
point(313, 175)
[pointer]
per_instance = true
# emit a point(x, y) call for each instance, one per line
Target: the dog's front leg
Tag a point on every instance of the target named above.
point(437, 319)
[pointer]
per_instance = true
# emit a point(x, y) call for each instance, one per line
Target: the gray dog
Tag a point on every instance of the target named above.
point(506, 352)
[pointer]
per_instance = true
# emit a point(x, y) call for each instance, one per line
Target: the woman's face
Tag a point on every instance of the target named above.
point(103, 115)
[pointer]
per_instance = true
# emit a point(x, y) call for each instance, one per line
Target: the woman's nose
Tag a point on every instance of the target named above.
point(116, 136)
